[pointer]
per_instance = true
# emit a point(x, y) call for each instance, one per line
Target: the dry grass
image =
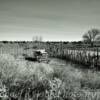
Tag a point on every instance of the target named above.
point(85, 84)
point(65, 79)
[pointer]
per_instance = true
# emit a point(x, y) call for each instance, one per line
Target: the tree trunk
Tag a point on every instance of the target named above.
point(92, 44)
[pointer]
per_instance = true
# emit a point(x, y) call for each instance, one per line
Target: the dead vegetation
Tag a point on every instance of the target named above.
point(41, 81)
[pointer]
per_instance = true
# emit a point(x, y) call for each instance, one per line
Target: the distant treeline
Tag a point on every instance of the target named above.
point(73, 43)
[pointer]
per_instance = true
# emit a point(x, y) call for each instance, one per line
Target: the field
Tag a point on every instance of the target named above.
point(58, 80)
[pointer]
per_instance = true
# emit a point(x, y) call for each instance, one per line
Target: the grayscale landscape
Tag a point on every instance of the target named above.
point(49, 50)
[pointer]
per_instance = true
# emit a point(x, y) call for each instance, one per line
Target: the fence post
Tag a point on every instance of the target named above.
point(97, 57)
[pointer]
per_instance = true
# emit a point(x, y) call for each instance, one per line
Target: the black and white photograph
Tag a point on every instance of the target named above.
point(49, 49)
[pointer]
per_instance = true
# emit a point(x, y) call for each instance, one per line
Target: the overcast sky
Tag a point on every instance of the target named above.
point(65, 20)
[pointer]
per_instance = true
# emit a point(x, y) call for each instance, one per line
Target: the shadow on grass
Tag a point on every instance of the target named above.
point(30, 59)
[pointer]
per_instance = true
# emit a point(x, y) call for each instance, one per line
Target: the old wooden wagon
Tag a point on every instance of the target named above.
point(41, 55)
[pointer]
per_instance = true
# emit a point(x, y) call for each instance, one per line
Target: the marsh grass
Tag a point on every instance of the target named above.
point(49, 81)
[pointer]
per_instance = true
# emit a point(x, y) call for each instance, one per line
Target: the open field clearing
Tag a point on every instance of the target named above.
point(49, 50)
point(26, 79)
point(58, 80)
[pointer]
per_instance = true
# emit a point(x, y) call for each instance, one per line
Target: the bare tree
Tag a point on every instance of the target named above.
point(40, 38)
point(91, 36)
point(37, 38)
